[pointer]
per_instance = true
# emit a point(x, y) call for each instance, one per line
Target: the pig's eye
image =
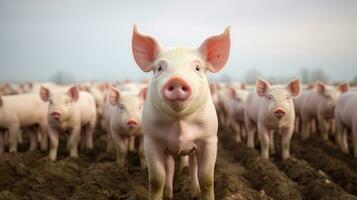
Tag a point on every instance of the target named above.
point(122, 107)
point(198, 68)
point(159, 69)
point(51, 102)
point(269, 97)
point(287, 97)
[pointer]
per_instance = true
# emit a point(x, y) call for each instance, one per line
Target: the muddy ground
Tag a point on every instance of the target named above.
point(316, 170)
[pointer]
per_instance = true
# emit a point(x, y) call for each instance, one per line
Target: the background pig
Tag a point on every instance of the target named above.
point(235, 110)
point(179, 117)
point(23, 111)
point(70, 112)
point(271, 108)
point(319, 104)
point(123, 122)
point(346, 120)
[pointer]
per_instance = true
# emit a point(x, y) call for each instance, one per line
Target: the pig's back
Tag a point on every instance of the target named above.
point(28, 109)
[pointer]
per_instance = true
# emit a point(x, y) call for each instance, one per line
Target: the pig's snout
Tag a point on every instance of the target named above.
point(132, 123)
point(279, 113)
point(56, 115)
point(177, 89)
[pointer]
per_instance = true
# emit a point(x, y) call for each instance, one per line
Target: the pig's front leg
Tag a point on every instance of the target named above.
point(206, 159)
point(264, 141)
point(287, 133)
point(73, 140)
point(13, 138)
point(143, 163)
point(155, 156)
point(195, 186)
point(54, 140)
point(271, 138)
point(251, 129)
point(44, 138)
point(170, 170)
point(121, 149)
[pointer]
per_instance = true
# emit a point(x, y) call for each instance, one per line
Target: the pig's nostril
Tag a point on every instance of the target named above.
point(184, 88)
point(171, 88)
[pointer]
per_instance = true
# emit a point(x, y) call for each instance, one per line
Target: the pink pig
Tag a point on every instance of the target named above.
point(179, 116)
point(122, 116)
point(71, 112)
point(269, 109)
point(346, 120)
point(319, 104)
point(23, 111)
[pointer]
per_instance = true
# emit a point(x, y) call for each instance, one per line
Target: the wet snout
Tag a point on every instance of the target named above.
point(56, 115)
point(177, 89)
point(279, 112)
point(132, 123)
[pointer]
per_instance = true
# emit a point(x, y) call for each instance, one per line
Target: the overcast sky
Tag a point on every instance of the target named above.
point(92, 39)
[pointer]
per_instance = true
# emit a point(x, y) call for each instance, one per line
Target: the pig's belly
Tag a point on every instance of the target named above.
point(180, 148)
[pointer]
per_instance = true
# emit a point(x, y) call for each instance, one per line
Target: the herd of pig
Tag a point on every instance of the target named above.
point(176, 114)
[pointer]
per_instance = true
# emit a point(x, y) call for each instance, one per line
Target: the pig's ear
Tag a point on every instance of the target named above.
point(44, 93)
point(1, 102)
point(344, 87)
point(320, 88)
point(294, 87)
point(143, 92)
point(73, 93)
point(262, 86)
point(145, 49)
point(213, 88)
point(114, 95)
point(216, 50)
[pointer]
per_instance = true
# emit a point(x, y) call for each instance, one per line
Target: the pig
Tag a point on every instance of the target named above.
point(319, 104)
point(122, 118)
point(179, 117)
point(23, 111)
point(73, 111)
point(346, 120)
point(235, 108)
point(270, 108)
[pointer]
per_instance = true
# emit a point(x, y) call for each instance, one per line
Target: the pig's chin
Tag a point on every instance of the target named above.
point(177, 106)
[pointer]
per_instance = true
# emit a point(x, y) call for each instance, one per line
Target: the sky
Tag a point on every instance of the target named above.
point(92, 39)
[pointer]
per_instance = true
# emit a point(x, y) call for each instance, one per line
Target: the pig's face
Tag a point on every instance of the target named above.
point(179, 81)
point(60, 104)
point(179, 85)
point(278, 98)
point(330, 95)
point(129, 108)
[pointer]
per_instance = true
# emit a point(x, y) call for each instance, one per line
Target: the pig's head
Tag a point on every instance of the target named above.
point(60, 104)
point(278, 98)
point(129, 107)
point(179, 85)
point(330, 94)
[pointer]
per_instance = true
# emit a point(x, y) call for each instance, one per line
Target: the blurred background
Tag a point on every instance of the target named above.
point(65, 41)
